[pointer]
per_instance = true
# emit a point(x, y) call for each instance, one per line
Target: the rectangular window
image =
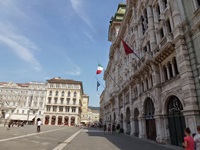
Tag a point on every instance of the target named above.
point(73, 109)
point(61, 100)
point(22, 111)
point(161, 33)
point(39, 112)
point(55, 101)
point(60, 108)
point(48, 108)
point(68, 100)
point(67, 109)
point(54, 108)
point(169, 26)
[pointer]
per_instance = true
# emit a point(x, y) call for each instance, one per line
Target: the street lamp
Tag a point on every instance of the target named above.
point(29, 105)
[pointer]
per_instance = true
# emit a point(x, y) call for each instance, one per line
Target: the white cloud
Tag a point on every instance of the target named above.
point(75, 69)
point(19, 44)
point(77, 5)
point(89, 36)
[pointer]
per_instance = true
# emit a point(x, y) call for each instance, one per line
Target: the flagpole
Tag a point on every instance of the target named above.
point(129, 48)
point(113, 80)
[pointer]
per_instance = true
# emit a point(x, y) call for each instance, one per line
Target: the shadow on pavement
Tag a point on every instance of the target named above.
point(127, 142)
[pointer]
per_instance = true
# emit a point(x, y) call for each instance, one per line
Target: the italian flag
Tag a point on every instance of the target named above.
point(99, 69)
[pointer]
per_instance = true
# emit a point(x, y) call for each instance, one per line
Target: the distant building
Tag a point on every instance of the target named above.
point(63, 102)
point(93, 116)
point(22, 101)
point(84, 114)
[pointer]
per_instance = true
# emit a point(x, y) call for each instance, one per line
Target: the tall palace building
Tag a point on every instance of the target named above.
point(63, 102)
point(155, 94)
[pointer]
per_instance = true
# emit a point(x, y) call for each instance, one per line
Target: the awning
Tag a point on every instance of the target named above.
point(22, 117)
point(84, 121)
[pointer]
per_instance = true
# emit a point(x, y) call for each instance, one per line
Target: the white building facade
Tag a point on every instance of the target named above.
point(151, 95)
point(63, 102)
point(22, 101)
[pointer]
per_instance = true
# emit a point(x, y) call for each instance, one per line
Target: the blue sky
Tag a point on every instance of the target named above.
point(42, 39)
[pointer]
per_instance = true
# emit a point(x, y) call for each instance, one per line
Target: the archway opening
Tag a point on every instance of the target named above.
point(150, 121)
point(60, 120)
point(136, 122)
point(72, 121)
point(46, 120)
point(66, 120)
point(53, 120)
point(128, 118)
point(176, 120)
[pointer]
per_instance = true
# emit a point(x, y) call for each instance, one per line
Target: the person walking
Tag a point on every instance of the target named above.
point(113, 128)
point(39, 123)
point(104, 128)
point(197, 138)
point(188, 140)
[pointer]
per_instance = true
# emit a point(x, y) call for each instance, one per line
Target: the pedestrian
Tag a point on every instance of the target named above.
point(39, 123)
point(188, 140)
point(113, 128)
point(9, 124)
point(197, 138)
point(104, 128)
point(118, 128)
point(109, 128)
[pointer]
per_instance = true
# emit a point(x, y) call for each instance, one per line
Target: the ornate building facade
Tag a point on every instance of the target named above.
point(84, 114)
point(63, 102)
point(22, 101)
point(152, 95)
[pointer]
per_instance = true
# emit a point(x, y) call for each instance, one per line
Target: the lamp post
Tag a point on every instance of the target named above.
point(29, 105)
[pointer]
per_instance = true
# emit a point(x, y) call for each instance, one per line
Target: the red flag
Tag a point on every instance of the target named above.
point(127, 49)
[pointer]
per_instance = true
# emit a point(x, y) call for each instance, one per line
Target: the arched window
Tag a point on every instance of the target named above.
point(63, 93)
point(68, 94)
point(170, 70)
point(147, 83)
point(151, 77)
point(175, 66)
point(56, 93)
point(50, 93)
point(165, 73)
point(75, 94)
point(142, 87)
point(158, 12)
point(165, 4)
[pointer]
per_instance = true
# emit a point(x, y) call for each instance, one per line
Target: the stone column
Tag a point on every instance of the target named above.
point(159, 128)
point(50, 119)
point(142, 127)
point(166, 130)
point(124, 124)
point(69, 121)
point(56, 121)
point(132, 126)
point(175, 12)
point(151, 27)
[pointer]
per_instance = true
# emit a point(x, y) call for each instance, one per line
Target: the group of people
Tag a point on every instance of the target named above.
point(191, 143)
point(111, 129)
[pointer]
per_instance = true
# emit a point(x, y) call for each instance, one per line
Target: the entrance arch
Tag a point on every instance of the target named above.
point(136, 122)
point(176, 120)
point(46, 120)
point(66, 120)
point(150, 121)
point(128, 116)
point(72, 121)
point(60, 120)
point(53, 120)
